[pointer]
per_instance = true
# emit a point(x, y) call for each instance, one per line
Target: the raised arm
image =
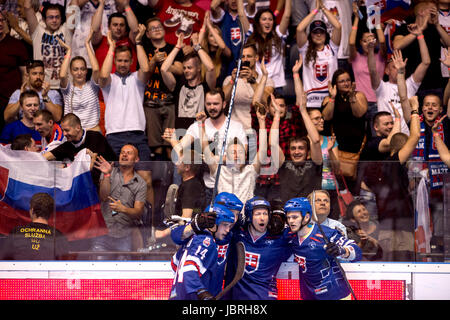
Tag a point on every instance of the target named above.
point(337, 27)
point(375, 78)
point(298, 85)
point(400, 64)
point(440, 145)
point(144, 69)
point(313, 134)
point(64, 71)
point(261, 156)
point(105, 72)
point(225, 50)
point(96, 23)
point(243, 16)
point(274, 136)
point(385, 144)
point(328, 110)
point(132, 21)
point(259, 91)
point(92, 58)
point(302, 36)
point(353, 33)
point(414, 136)
point(30, 16)
point(169, 79)
point(285, 19)
point(206, 60)
point(422, 68)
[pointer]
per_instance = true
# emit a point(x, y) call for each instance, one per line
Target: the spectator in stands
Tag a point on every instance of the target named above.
point(322, 207)
point(393, 198)
point(440, 144)
point(215, 126)
point(180, 17)
point(358, 43)
point(268, 185)
point(269, 39)
point(24, 142)
point(363, 230)
point(77, 139)
point(123, 194)
point(431, 33)
point(88, 8)
point(434, 138)
point(299, 176)
point(247, 82)
point(159, 101)
point(124, 93)
point(81, 95)
point(18, 24)
point(319, 52)
point(345, 109)
point(396, 66)
point(29, 104)
point(227, 19)
point(49, 99)
point(37, 240)
point(193, 88)
point(51, 133)
point(236, 176)
point(13, 56)
point(123, 28)
point(45, 44)
point(211, 40)
point(190, 196)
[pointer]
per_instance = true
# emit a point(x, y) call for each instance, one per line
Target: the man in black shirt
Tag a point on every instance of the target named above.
point(36, 240)
point(159, 101)
point(78, 139)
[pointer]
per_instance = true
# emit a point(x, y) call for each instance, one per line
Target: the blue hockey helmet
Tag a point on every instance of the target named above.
point(229, 200)
point(223, 214)
point(255, 203)
point(298, 204)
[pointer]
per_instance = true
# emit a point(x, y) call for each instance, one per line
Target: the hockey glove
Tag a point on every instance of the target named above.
point(202, 221)
point(334, 249)
point(203, 294)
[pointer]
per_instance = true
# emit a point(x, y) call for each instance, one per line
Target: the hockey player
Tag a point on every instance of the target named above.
point(264, 253)
point(196, 263)
point(320, 276)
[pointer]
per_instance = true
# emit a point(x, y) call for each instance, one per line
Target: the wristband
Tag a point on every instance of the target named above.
point(276, 13)
point(397, 119)
point(354, 28)
point(436, 134)
point(420, 36)
point(127, 9)
point(315, 11)
point(330, 100)
point(296, 75)
point(107, 175)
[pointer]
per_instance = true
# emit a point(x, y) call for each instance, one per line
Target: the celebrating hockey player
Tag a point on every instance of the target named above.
point(319, 274)
point(196, 263)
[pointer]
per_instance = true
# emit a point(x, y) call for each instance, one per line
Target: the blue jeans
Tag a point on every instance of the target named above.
point(137, 138)
point(108, 243)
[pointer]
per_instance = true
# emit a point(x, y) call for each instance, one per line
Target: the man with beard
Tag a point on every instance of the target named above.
point(123, 194)
point(29, 104)
point(215, 125)
point(192, 90)
point(49, 99)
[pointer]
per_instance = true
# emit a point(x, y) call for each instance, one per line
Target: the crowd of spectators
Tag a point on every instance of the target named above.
point(327, 99)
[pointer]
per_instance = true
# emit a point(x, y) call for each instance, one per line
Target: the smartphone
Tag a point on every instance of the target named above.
point(245, 64)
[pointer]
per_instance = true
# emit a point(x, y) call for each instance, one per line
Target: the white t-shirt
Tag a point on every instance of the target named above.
point(234, 130)
point(124, 109)
point(274, 64)
point(47, 48)
point(316, 75)
point(387, 91)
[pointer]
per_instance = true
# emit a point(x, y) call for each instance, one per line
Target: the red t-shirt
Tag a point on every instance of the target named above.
point(102, 50)
point(177, 18)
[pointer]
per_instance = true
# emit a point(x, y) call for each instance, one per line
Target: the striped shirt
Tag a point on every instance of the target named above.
point(83, 102)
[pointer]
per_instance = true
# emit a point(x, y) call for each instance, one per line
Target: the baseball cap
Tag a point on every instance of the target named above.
point(317, 25)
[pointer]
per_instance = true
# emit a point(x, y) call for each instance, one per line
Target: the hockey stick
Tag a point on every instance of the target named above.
point(327, 241)
point(230, 110)
point(240, 249)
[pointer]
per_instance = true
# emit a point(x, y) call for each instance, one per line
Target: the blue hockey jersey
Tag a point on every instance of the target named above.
point(196, 267)
point(263, 257)
point(319, 275)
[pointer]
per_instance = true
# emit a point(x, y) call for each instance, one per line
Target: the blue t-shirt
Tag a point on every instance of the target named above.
point(16, 128)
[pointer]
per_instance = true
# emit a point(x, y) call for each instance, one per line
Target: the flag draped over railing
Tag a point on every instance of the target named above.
point(77, 206)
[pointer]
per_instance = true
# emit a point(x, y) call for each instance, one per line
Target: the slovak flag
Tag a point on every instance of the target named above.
point(251, 262)
point(389, 9)
point(77, 207)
